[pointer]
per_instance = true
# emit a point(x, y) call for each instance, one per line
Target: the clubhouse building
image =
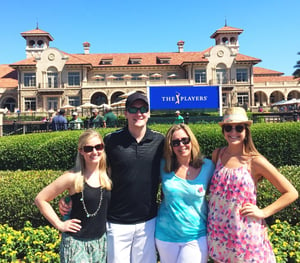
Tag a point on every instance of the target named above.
point(50, 78)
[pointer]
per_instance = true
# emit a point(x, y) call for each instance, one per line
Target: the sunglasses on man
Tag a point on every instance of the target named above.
point(133, 110)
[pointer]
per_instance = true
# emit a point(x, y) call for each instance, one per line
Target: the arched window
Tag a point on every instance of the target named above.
point(40, 43)
point(99, 98)
point(221, 74)
point(116, 97)
point(225, 40)
point(10, 104)
point(52, 76)
point(31, 43)
point(232, 40)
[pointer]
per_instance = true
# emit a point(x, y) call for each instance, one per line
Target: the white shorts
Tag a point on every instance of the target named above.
point(132, 243)
point(183, 252)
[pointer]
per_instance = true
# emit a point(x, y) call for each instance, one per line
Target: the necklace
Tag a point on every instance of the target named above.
point(98, 208)
point(187, 171)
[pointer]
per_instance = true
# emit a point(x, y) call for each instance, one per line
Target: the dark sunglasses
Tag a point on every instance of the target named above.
point(238, 128)
point(88, 148)
point(142, 109)
point(185, 140)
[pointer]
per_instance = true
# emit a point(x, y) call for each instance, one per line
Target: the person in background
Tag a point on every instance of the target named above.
point(236, 228)
point(52, 116)
point(181, 222)
point(134, 155)
point(84, 233)
point(110, 119)
point(178, 119)
point(75, 123)
point(187, 118)
point(59, 122)
point(96, 121)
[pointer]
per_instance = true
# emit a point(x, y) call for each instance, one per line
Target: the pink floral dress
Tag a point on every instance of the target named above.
point(233, 238)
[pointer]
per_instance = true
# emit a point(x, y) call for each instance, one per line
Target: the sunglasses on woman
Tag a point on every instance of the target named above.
point(238, 128)
point(142, 109)
point(185, 140)
point(89, 148)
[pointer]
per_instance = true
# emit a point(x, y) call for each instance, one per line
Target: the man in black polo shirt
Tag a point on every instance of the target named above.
point(134, 155)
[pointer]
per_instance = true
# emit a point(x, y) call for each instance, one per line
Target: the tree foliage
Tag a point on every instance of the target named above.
point(296, 73)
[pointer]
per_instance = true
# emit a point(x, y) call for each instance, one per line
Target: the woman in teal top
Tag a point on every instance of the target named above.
point(181, 222)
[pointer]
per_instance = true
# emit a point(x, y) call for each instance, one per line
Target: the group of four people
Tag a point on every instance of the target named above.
point(114, 209)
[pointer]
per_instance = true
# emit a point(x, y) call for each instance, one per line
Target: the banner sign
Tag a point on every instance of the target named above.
point(184, 97)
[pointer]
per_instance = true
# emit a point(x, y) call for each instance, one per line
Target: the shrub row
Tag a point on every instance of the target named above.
point(42, 244)
point(19, 188)
point(17, 192)
point(279, 142)
point(267, 194)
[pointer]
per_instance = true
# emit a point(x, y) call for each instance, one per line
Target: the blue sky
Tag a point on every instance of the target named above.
point(271, 28)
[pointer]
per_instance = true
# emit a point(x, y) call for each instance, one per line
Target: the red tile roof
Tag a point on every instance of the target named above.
point(24, 62)
point(227, 29)
point(8, 77)
point(268, 75)
point(35, 32)
point(263, 71)
point(273, 78)
point(245, 58)
point(75, 60)
point(147, 59)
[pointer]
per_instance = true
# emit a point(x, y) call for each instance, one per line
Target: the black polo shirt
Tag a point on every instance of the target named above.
point(135, 175)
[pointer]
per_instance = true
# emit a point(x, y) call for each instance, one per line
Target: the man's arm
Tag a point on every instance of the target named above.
point(65, 205)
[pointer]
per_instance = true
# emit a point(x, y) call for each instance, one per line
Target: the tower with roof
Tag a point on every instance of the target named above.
point(228, 36)
point(37, 41)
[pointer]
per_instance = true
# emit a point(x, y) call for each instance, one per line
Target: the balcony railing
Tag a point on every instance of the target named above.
point(59, 87)
point(130, 83)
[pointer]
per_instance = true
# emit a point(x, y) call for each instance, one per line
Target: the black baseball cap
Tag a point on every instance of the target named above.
point(136, 96)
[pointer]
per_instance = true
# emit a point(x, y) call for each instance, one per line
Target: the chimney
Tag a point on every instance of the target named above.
point(180, 45)
point(86, 48)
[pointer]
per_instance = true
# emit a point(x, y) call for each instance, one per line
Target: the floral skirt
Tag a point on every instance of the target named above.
point(74, 250)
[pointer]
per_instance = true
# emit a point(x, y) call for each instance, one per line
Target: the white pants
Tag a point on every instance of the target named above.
point(131, 243)
point(194, 251)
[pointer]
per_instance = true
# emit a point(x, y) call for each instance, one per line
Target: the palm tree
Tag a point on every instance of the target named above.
point(296, 74)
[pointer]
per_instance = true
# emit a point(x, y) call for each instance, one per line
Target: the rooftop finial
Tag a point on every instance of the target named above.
point(37, 24)
point(225, 21)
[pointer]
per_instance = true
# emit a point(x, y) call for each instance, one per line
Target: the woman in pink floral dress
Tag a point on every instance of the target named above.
point(236, 226)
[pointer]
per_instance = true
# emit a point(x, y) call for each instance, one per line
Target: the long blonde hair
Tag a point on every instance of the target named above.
point(248, 142)
point(80, 164)
point(169, 155)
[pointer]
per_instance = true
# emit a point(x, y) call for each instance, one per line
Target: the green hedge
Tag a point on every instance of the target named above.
point(17, 192)
point(267, 193)
point(19, 188)
point(279, 142)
